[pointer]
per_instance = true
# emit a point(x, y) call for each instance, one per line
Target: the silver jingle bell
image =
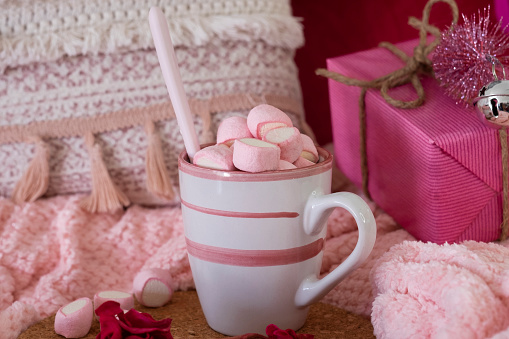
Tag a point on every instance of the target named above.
point(492, 104)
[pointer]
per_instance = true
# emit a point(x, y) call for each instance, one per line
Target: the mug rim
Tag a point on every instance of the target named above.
point(214, 174)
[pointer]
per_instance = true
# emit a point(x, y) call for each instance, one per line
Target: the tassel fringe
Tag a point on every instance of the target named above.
point(207, 137)
point(158, 179)
point(34, 182)
point(105, 195)
point(203, 109)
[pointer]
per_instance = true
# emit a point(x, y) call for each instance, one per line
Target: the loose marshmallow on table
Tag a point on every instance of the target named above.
point(75, 319)
point(303, 162)
point(254, 155)
point(232, 128)
point(125, 299)
point(217, 156)
point(309, 150)
point(263, 118)
point(289, 141)
point(152, 287)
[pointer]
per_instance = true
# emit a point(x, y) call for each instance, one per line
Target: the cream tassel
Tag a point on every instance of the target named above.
point(203, 111)
point(105, 195)
point(207, 137)
point(35, 181)
point(158, 179)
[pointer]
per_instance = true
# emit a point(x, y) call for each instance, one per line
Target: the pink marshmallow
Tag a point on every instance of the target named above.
point(232, 128)
point(254, 155)
point(303, 162)
point(218, 156)
point(285, 165)
point(289, 141)
point(263, 118)
point(152, 287)
point(75, 319)
point(125, 299)
point(309, 150)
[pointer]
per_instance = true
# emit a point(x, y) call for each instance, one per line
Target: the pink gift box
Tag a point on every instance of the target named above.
point(435, 169)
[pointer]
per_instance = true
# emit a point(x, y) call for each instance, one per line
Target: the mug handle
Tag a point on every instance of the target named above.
point(317, 211)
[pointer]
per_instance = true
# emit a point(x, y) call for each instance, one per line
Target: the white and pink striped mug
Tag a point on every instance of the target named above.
point(255, 242)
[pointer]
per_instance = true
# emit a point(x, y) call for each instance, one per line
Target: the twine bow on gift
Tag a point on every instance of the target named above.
point(417, 64)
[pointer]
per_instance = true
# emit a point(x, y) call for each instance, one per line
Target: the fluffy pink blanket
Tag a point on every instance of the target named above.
point(52, 252)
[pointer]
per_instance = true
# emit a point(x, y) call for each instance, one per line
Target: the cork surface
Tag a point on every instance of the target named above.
point(324, 321)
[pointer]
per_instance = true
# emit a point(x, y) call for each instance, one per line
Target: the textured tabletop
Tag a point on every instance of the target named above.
point(324, 321)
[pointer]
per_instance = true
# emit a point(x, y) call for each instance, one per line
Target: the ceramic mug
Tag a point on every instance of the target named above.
point(255, 242)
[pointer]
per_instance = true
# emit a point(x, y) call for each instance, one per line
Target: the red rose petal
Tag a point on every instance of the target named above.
point(108, 308)
point(274, 332)
point(139, 323)
point(133, 324)
point(110, 329)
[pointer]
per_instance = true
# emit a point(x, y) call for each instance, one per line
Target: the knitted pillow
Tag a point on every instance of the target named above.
point(83, 105)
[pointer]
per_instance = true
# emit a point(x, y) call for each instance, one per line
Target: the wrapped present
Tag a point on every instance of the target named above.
point(436, 168)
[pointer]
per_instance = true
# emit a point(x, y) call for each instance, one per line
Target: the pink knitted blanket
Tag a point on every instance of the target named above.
point(52, 252)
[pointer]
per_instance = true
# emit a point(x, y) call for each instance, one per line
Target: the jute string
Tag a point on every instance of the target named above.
point(505, 181)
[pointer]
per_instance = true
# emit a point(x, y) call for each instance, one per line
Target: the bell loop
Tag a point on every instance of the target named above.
point(494, 63)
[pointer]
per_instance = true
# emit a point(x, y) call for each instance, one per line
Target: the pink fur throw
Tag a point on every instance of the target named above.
point(448, 291)
point(52, 252)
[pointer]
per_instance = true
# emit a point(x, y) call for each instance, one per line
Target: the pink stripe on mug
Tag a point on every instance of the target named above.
point(240, 214)
point(254, 258)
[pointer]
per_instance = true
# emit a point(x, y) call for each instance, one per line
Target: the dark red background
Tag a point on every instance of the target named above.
point(338, 27)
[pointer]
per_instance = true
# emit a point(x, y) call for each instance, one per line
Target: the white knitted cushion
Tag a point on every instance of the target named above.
point(68, 64)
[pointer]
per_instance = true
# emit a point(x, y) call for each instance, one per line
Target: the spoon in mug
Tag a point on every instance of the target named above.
point(173, 80)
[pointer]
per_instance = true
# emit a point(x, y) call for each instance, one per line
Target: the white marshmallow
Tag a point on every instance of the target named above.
point(152, 287)
point(289, 141)
point(254, 155)
point(309, 150)
point(125, 299)
point(263, 118)
point(285, 165)
point(75, 319)
point(218, 156)
point(302, 162)
point(232, 128)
